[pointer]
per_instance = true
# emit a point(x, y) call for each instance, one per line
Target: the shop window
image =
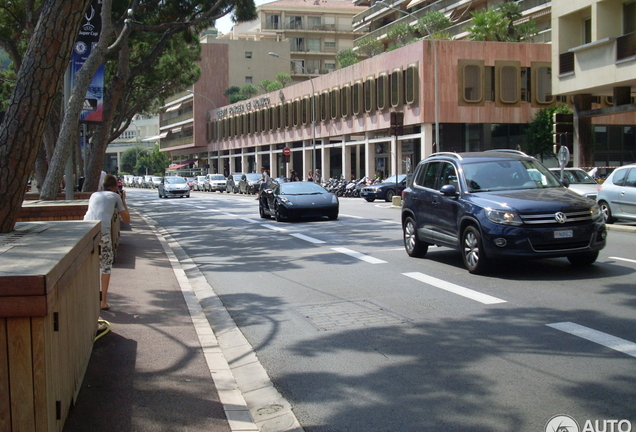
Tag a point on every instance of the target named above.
point(296, 112)
point(472, 83)
point(526, 88)
point(272, 118)
point(508, 82)
point(489, 83)
point(382, 91)
point(280, 117)
point(411, 87)
point(334, 101)
point(345, 100)
point(369, 94)
point(324, 105)
point(356, 98)
point(287, 113)
point(305, 114)
point(397, 88)
point(542, 83)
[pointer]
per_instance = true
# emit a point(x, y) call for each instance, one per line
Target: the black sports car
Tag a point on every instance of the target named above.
point(293, 200)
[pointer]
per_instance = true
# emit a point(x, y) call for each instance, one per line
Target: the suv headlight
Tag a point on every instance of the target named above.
point(595, 211)
point(503, 217)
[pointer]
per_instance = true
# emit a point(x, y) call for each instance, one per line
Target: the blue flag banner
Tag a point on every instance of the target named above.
point(87, 38)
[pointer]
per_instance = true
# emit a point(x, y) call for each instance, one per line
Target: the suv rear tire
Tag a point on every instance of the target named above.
point(473, 254)
point(414, 246)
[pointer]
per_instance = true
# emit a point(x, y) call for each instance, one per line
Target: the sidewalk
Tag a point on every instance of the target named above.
point(149, 373)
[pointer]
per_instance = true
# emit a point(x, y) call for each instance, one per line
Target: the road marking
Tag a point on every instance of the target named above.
point(307, 238)
point(598, 337)
point(362, 257)
point(273, 227)
point(624, 259)
point(352, 216)
point(455, 289)
point(250, 220)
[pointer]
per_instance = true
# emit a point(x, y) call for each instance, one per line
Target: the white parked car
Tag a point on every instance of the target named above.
point(201, 183)
point(579, 181)
point(617, 194)
point(216, 182)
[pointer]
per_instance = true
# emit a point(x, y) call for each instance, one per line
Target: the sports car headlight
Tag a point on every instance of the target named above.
point(503, 217)
point(334, 199)
point(595, 211)
point(286, 201)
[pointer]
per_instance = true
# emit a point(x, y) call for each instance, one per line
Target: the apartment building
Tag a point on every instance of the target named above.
point(314, 29)
point(594, 59)
point(382, 15)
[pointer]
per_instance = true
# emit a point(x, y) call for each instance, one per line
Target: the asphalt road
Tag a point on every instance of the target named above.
point(359, 337)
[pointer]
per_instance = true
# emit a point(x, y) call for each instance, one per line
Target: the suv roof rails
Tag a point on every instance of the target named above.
point(452, 154)
point(519, 152)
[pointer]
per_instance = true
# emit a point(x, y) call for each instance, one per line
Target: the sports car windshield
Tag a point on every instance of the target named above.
point(508, 175)
point(300, 188)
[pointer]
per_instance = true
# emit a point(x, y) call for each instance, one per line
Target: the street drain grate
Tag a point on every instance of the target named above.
point(349, 314)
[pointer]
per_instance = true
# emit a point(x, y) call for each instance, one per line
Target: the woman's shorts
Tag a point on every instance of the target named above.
point(106, 255)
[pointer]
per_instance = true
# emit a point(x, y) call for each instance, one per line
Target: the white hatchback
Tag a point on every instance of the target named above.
point(617, 194)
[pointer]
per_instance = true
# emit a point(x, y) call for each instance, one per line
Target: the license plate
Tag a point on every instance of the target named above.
point(563, 234)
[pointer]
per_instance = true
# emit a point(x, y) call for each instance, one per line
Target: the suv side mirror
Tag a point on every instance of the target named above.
point(448, 190)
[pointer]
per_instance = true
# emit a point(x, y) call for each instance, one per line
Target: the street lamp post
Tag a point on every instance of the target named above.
point(218, 152)
point(435, 72)
point(313, 107)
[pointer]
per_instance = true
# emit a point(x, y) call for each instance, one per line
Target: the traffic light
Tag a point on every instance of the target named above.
point(397, 123)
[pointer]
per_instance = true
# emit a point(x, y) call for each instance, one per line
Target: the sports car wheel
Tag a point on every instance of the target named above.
point(261, 211)
point(277, 215)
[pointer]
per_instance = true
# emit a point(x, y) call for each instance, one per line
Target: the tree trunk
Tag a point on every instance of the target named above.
point(37, 84)
point(101, 137)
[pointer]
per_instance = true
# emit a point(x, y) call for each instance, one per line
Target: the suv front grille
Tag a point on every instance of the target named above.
point(549, 219)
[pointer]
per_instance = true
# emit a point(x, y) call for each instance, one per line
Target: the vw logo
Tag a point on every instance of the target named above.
point(560, 217)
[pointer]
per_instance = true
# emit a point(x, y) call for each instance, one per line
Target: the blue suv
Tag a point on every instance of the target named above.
point(499, 204)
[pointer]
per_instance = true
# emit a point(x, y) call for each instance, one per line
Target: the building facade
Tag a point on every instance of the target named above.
point(481, 102)
point(594, 57)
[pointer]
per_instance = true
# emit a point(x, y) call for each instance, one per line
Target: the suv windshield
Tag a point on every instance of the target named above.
point(507, 175)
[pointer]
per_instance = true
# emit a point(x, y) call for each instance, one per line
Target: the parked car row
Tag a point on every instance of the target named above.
point(146, 182)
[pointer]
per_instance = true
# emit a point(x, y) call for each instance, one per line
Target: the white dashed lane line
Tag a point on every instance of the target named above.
point(455, 289)
point(596, 336)
point(307, 238)
point(358, 255)
point(624, 259)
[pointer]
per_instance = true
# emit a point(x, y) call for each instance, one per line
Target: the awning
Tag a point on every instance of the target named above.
point(186, 163)
point(156, 137)
point(173, 107)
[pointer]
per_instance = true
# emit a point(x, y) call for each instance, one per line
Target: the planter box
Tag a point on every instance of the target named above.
point(49, 307)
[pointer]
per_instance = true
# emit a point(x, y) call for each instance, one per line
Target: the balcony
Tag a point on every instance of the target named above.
point(566, 63)
point(626, 46)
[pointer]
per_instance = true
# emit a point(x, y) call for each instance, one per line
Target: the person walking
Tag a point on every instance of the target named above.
point(317, 177)
point(293, 176)
point(101, 206)
point(265, 182)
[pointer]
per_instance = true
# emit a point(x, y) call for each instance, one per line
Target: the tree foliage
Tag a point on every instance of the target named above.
point(539, 131)
point(347, 57)
point(436, 23)
point(283, 78)
point(370, 46)
point(400, 34)
point(498, 25)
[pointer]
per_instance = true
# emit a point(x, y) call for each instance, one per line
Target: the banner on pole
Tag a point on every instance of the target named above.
point(87, 38)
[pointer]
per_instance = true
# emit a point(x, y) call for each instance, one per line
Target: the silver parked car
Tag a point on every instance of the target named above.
point(201, 183)
point(617, 195)
point(174, 186)
point(217, 182)
point(579, 181)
